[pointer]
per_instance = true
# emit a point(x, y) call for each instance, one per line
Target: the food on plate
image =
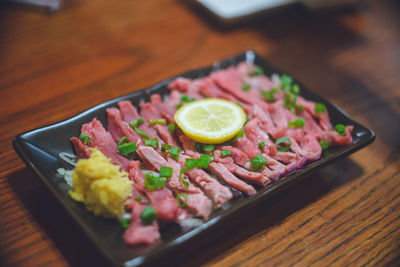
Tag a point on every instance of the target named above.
point(100, 185)
point(210, 120)
point(182, 168)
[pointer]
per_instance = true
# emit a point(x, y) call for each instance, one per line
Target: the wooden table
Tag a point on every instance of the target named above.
point(53, 67)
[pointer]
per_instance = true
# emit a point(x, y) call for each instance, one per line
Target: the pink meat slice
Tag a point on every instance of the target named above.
point(218, 169)
point(212, 188)
point(229, 81)
point(103, 141)
point(258, 82)
point(185, 86)
point(256, 135)
point(197, 202)
point(254, 177)
point(162, 199)
point(81, 149)
point(137, 232)
point(165, 110)
point(173, 99)
point(267, 125)
point(238, 156)
point(324, 120)
point(208, 88)
point(119, 128)
point(128, 111)
point(150, 112)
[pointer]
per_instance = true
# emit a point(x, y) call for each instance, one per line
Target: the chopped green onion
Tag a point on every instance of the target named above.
point(269, 95)
point(151, 142)
point(300, 108)
point(185, 99)
point(175, 152)
point(246, 87)
point(256, 71)
point(125, 223)
point(261, 145)
point(295, 89)
point(138, 198)
point(127, 148)
point(341, 129)
point(290, 101)
point(258, 162)
point(225, 153)
point(148, 215)
point(153, 182)
point(158, 121)
point(280, 144)
point(124, 138)
point(319, 108)
point(140, 132)
point(299, 123)
point(171, 127)
point(204, 147)
point(286, 82)
point(165, 148)
point(179, 199)
point(85, 139)
point(184, 182)
point(324, 144)
point(203, 162)
point(165, 171)
point(136, 123)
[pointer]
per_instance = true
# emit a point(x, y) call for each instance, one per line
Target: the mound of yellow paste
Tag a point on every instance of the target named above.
point(100, 185)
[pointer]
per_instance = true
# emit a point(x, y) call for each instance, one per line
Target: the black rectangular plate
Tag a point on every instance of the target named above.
point(40, 148)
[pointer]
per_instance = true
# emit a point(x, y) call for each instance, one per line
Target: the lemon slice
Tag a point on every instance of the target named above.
point(210, 120)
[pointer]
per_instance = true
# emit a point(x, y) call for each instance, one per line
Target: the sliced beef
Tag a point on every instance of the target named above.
point(162, 199)
point(197, 202)
point(103, 141)
point(81, 149)
point(137, 232)
point(213, 189)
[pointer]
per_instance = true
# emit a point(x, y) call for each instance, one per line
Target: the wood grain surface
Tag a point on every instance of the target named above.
point(55, 66)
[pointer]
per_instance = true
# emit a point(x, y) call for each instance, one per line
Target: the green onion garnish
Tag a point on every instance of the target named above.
point(324, 144)
point(179, 199)
point(165, 148)
point(165, 171)
point(125, 223)
point(138, 198)
point(256, 71)
point(258, 162)
point(280, 144)
point(184, 182)
point(225, 153)
point(148, 215)
point(127, 148)
point(151, 142)
point(158, 121)
point(153, 182)
point(298, 123)
point(246, 87)
point(269, 95)
point(136, 123)
point(140, 132)
point(341, 129)
point(300, 108)
point(286, 82)
point(204, 147)
point(185, 99)
point(319, 108)
point(123, 139)
point(290, 101)
point(85, 139)
point(171, 127)
point(295, 89)
point(175, 152)
point(203, 162)
point(261, 145)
